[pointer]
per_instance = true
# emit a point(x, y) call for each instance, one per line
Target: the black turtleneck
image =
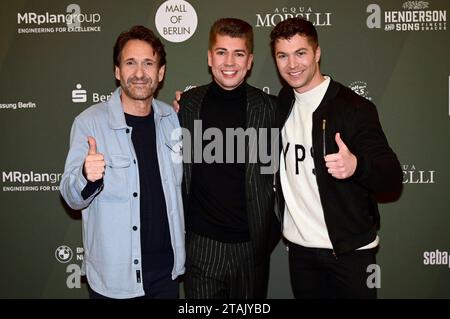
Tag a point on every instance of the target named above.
point(217, 203)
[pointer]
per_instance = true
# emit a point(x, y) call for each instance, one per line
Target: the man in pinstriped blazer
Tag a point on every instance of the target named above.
point(228, 198)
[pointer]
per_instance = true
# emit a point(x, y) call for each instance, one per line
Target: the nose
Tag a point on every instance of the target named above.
point(229, 59)
point(292, 62)
point(139, 71)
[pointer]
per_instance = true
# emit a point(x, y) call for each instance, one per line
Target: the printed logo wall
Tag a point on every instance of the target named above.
point(58, 47)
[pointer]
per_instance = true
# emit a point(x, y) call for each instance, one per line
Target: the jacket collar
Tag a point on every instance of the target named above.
point(287, 97)
point(116, 115)
point(330, 94)
point(253, 100)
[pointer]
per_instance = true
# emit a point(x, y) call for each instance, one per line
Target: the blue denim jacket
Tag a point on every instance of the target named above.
point(112, 249)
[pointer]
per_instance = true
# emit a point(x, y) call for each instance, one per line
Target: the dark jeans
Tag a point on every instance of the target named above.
point(317, 273)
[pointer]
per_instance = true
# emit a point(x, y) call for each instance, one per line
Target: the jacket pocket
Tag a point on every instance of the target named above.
point(116, 179)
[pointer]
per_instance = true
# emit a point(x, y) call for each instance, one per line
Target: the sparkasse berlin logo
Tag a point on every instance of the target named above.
point(63, 254)
point(319, 19)
point(80, 95)
point(415, 16)
point(72, 21)
point(176, 20)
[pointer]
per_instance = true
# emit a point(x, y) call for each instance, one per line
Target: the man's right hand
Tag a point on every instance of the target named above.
point(175, 104)
point(94, 164)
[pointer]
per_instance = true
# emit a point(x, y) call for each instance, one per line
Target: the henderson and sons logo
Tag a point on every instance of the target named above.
point(415, 16)
point(71, 21)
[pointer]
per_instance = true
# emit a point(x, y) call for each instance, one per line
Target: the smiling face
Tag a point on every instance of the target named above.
point(138, 71)
point(229, 59)
point(298, 62)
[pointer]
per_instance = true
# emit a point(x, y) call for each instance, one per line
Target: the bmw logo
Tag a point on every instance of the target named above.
point(63, 254)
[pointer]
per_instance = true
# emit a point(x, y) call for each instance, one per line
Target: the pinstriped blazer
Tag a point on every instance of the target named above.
point(260, 113)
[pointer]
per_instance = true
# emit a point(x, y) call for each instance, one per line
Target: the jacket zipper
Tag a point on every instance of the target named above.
point(324, 149)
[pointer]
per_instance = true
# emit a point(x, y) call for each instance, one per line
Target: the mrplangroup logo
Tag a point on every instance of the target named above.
point(64, 255)
point(270, 19)
point(73, 20)
point(412, 16)
point(29, 181)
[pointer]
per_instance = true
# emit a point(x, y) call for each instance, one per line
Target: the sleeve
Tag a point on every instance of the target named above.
point(378, 168)
point(73, 181)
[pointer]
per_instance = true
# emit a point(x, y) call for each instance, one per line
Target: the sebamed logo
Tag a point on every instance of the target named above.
point(319, 19)
point(80, 95)
point(436, 258)
point(360, 88)
point(415, 16)
point(412, 175)
point(176, 20)
point(18, 181)
point(63, 254)
point(17, 106)
point(73, 20)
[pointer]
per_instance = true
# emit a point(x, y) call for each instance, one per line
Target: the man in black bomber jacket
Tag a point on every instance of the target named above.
point(334, 158)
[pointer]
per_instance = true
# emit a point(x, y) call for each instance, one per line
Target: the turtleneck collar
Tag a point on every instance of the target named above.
point(236, 93)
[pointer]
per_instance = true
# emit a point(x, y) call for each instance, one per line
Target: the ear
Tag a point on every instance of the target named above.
point(209, 58)
point(318, 54)
point(250, 61)
point(161, 72)
point(117, 72)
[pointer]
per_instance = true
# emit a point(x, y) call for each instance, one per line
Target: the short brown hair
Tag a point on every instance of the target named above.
point(288, 28)
point(235, 28)
point(139, 32)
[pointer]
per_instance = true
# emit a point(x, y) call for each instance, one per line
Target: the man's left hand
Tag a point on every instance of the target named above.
point(341, 165)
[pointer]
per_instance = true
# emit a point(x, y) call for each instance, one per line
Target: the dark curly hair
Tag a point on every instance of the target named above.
point(288, 28)
point(139, 32)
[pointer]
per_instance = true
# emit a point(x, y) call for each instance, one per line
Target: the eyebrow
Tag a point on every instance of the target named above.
point(282, 52)
point(225, 49)
point(145, 60)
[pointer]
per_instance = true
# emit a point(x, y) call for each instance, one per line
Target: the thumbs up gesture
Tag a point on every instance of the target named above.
point(341, 165)
point(175, 104)
point(94, 163)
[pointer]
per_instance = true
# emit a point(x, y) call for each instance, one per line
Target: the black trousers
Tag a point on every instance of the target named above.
point(318, 273)
point(217, 270)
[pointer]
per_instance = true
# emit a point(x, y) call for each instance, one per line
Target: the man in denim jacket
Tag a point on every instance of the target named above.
point(124, 172)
